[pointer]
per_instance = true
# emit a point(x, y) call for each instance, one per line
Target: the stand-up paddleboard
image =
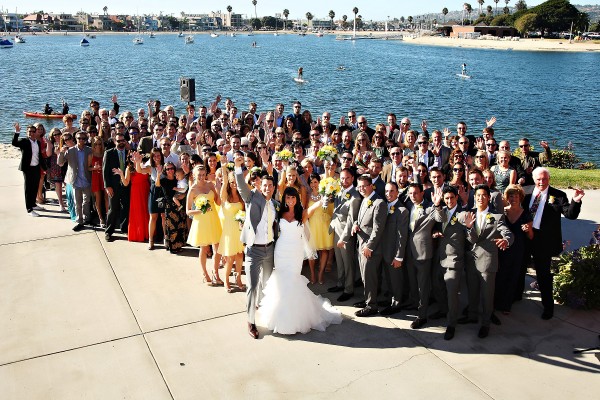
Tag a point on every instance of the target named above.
point(300, 80)
point(463, 76)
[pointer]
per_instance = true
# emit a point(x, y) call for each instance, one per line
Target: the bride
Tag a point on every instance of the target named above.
point(288, 305)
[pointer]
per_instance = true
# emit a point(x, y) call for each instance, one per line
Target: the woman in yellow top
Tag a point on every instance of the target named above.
point(230, 245)
point(206, 227)
point(291, 178)
point(319, 221)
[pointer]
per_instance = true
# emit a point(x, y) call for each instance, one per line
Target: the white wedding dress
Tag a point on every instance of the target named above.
point(288, 305)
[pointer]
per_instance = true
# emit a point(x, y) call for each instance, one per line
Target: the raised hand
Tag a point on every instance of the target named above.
point(17, 127)
point(436, 197)
point(489, 123)
point(342, 120)
point(159, 169)
point(238, 161)
point(424, 125)
point(544, 144)
point(114, 98)
point(579, 193)
point(480, 143)
point(470, 219)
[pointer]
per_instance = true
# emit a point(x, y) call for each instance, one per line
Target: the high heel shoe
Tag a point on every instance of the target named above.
point(150, 245)
point(216, 280)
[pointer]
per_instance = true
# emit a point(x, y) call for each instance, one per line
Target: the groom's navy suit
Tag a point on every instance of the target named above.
point(259, 256)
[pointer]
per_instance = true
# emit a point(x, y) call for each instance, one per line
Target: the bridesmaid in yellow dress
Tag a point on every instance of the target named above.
point(206, 227)
point(230, 245)
point(319, 221)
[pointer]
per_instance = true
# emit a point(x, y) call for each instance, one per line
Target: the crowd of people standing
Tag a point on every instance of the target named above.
point(416, 209)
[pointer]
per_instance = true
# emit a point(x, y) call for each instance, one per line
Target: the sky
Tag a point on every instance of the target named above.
point(369, 9)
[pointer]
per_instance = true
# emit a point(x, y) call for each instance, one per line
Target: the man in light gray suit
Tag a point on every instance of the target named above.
point(346, 206)
point(449, 259)
point(369, 227)
point(80, 176)
point(258, 234)
point(395, 235)
point(420, 246)
point(487, 233)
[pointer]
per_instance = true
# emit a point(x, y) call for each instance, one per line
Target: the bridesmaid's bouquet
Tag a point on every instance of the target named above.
point(230, 166)
point(327, 153)
point(202, 204)
point(240, 217)
point(328, 188)
point(285, 155)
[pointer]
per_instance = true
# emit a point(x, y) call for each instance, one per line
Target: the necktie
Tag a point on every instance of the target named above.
point(121, 160)
point(413, 218)
point(445, 224)
point(269, 223)
point(535, 205)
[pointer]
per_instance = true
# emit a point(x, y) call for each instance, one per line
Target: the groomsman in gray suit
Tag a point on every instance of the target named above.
point(394, 246)
point(259, 234)
point(420, 246)
point(369, 227)
point(487, 233)
point(450, 255)
point(346, 206)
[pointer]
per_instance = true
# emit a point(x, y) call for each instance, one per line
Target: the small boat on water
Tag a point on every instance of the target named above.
point(189, 39)
point(84, 42)
point(5, 44)
point(34, 114)
point(138, 40)
point(19, 39)
point(180, 34)
point(232, 34)
point(214, 35)
point(152, 36)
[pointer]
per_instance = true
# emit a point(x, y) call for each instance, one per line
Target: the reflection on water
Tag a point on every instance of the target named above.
point(536, 94)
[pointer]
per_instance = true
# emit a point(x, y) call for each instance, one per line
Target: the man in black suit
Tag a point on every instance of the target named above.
point(363, 127)
point(118, 210)
point(31, 165)
point(375, 167)
point(546, 204)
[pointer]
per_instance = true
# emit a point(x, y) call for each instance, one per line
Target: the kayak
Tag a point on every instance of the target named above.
point(42, 115)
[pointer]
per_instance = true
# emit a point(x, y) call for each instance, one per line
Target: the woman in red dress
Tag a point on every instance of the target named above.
point(95, 165)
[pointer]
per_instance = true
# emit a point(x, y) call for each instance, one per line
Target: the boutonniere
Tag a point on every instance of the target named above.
point(551, 199)
point(276, 206)
point(369, 203)
point(347, 196)
point(490, 219)
point(392, 209)
point(454, 220)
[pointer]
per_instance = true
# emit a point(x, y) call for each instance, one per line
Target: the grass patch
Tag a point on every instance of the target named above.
point(585, 179)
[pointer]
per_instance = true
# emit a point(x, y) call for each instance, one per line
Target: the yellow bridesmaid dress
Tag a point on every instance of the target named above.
point(319, 227)
point(206, 228)
point(230, 243)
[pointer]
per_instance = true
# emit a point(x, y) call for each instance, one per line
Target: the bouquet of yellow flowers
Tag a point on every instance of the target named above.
point(202, 204)
point(258, 170)
point(230, 166)
point(240, 217)
point(329, 187)
point(285, 155)
point(327, 153)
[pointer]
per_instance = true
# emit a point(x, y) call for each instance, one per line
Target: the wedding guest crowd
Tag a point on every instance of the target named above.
point(414, 211)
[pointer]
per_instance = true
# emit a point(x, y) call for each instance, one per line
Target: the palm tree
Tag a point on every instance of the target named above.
point(254, 4)
point(480, 5)
point(469, 10)
point(355, 11)
point(105, 9)
point(521, 5)
point(286, 12)
point(444, 11)
point(229, 9)
point(410, 20)
point(309, 17)
point(496, 1)
point(489, 10)
point(331, 16)
point(506, 8)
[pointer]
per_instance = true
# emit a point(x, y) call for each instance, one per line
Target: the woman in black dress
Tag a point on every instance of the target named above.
point(175, 224)
point(511, 260)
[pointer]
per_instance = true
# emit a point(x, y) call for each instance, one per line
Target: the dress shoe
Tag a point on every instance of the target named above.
point(358, 283)
point(390, 310)
point(546, 315)
point(38, 208)
point(484, 331)
point(108, 237)
point(366, 312)
point(437, 315)
point(33, 214)
point(467, 320)
point(78, 227)
point(335, 289)
point(418, 323)
point(449, 333)
point(495, 320)
point(252, 331)
point(345, 297)
point(359, 304)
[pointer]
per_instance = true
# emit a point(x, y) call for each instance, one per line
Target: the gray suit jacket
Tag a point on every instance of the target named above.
point(345, 210)
point(420, 241)
point(70, 157)
point(395, 233)
point(451, 247)
point(371, 221)
point(484, 252)
point(255, 205)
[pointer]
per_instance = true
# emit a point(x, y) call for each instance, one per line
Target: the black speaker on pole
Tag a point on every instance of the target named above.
point(187, 89)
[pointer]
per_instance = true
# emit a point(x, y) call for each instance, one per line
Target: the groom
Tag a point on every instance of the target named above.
point(258, 234)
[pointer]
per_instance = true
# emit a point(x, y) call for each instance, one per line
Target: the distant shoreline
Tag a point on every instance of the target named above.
point(555, 45)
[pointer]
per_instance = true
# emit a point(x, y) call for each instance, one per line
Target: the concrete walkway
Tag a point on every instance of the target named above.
point(84, 319)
